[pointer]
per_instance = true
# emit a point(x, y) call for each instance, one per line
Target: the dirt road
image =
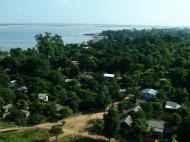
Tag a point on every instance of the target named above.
point(74, 125)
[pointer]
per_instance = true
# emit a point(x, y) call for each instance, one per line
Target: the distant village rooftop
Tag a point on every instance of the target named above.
point(23, 89)
point(109, 75)
point(68, 80)
point(122, 90)
point(148, 94)
point(128, 120)
point(172, 105)
point(13, 81)
point(43, 97)
point(134, 109)
point(7, 107)
point(149, 91)
point(158, 126)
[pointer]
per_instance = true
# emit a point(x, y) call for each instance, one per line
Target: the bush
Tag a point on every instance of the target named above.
point(66, 111)
point(36, 119)
point(98, 126)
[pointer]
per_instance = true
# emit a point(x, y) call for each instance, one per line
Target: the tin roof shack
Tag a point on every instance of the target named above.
point(13, 83)
point(148, 94)
point(26, 113)
point(6, 108)
point(133, 110)
point(109, 76)
point(23, 89)
point(43, 97)
point(126, 123)
point(172, 106)
point(159, 127)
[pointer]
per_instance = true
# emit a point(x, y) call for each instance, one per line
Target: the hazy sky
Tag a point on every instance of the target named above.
point(138, 12)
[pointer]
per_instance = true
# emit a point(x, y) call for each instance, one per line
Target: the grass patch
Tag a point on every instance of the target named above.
point(6, 124)
point(34, 135)
point(79, 139)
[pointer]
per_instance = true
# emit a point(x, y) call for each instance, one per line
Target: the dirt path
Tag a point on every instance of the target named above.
point(74, 125)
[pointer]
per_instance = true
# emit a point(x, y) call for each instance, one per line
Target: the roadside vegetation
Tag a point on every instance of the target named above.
point(34, 135)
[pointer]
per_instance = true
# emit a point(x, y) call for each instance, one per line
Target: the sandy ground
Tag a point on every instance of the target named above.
point(75, 125)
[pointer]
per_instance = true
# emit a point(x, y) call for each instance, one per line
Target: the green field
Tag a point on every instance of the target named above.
point(38, 135)
point(34, 135)
point(6, 124)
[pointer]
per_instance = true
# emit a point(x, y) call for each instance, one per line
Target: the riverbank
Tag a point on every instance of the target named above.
point(22, 35)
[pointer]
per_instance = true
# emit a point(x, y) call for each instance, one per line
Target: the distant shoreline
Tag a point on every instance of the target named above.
point(13, 35)
point(91, 34)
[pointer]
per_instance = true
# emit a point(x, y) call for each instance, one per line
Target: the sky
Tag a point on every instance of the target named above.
point(128, 12)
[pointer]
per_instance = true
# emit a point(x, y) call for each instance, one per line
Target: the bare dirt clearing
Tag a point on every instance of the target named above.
point(75, 125)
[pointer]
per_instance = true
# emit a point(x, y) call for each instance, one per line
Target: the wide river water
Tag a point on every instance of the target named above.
point(22, 35)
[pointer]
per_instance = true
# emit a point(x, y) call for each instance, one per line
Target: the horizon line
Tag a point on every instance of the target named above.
point(107, 24)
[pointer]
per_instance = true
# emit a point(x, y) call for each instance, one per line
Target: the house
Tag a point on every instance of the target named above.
point(68, 80)
point(148, 94)
point(13, 81)
point(7, 107)
point(172, 105)
point(86, 47)
point(122, 90)
point(27, 113)
point(43, 97)
point(107, 75)
point(75, 62)
point(23, 89)
point(58, 107)
point(158, 126)
point(128, 121)
point(134, 109)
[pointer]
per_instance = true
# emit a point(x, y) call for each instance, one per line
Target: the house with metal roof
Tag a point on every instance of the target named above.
point(23, 89)
point(68, 80)
point(172, 105)
point(86, 47)
point(13, 81)
point(134, 109)
point(128, 120)
point(43, 97)
point(126, 124)
point(122, 90)
point(26, 112)
point(148, 94)
point(107, 75)
point(158, 126)
point(75, 62)
point(7, 107)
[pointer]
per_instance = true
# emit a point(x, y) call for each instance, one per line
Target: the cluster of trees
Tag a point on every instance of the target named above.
point(46, 69)
point(72, 75)
point(156, 59)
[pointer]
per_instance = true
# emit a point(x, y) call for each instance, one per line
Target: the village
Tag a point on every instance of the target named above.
point(157, 126)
